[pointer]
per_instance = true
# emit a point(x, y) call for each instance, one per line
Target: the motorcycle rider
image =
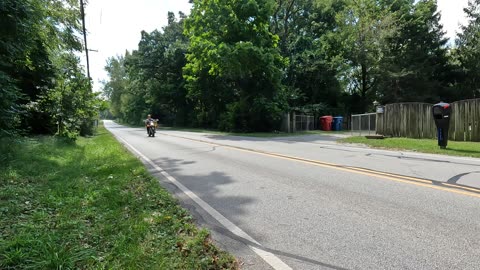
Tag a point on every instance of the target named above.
point(149, 118)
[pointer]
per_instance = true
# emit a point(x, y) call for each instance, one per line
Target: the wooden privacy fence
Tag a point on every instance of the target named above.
point(415, 120)
point(465, 121)
point(412, 120)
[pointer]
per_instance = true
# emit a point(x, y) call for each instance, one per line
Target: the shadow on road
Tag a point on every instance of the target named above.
point(207, 186)
point(454, 180)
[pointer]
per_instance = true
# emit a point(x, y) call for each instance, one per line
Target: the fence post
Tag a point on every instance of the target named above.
point(294, 122)
point(360, 126)
point(369, 125)
point(351, 124)
point(288, 122)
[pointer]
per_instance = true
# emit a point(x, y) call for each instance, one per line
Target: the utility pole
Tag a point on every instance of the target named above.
point(82, 10)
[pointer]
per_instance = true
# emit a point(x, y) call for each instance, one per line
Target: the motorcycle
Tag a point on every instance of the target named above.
point(151, 126)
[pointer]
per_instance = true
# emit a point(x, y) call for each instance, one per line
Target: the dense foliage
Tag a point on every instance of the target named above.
point(150, 79)
point(240, 64)
point(43, 88)
point(233, 70)
point(467, 53)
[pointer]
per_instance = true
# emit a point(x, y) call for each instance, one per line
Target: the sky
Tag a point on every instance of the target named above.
point(452, 15)
point(114, 26)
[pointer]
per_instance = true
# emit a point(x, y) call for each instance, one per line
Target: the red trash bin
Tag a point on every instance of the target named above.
point(326, 122)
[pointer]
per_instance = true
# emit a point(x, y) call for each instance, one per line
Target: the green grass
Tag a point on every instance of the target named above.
point(467, 149)
point(92, 205)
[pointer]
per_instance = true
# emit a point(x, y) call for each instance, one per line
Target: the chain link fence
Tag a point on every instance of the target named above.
point(293, 122)
point(363, 124)
point(304, 122)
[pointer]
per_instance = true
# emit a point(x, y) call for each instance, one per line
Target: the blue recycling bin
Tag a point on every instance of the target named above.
point(337, 123)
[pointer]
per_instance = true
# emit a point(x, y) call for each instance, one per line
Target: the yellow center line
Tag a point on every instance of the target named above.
point(458, 189)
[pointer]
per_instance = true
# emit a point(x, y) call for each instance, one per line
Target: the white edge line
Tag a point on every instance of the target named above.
point(268, 257)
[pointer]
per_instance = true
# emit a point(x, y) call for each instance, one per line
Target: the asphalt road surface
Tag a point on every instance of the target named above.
point(309, 203)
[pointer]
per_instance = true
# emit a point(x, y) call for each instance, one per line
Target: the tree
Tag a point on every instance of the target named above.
point(35, 35)
point(234, 67)
point(415, 66)
point(239, 64)
point(364, 28)
point(468, 52)
point(165, 83)
point(23, 59)
point(305, 28)
point(150, 79)
point(70, 104)
point(115, 87)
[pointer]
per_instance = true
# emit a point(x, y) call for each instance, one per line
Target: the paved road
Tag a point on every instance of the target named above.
point(309, 203)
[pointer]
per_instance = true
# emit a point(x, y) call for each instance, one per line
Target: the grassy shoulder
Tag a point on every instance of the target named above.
point(466, 149)
point(93, 205)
